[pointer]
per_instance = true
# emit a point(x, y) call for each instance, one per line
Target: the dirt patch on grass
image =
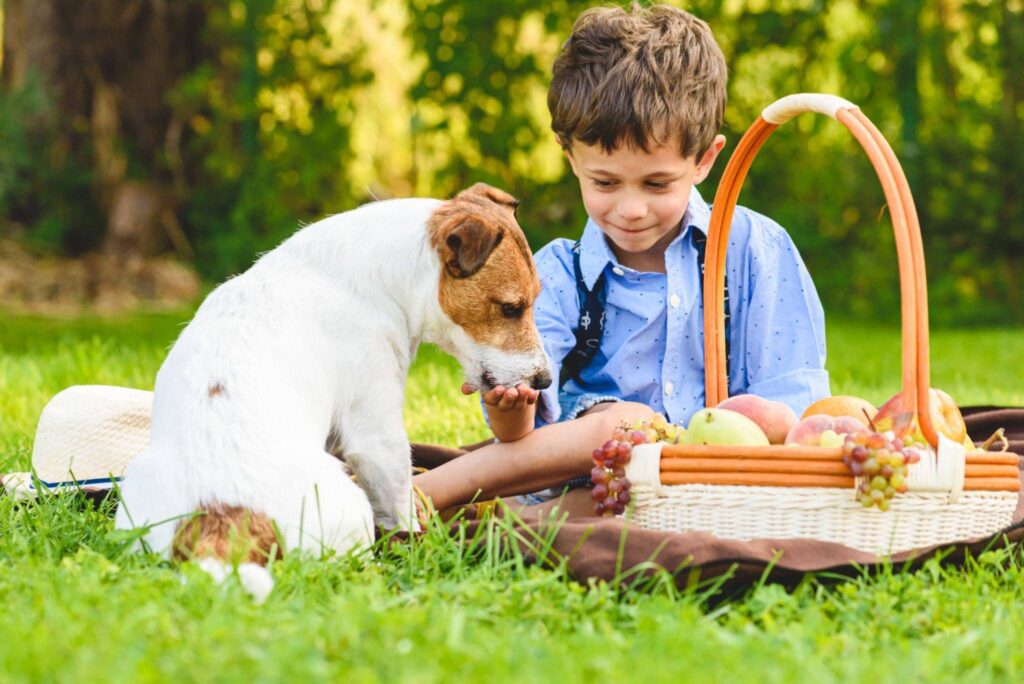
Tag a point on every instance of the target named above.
point(98, 282)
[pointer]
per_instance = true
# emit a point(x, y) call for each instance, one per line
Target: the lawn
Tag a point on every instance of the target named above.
point(77, 606)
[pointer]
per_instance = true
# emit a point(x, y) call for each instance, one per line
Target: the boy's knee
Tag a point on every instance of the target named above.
point(624, 412)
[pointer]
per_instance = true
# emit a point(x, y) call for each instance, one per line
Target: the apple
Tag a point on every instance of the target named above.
point(722, 426)
point(773, 417)
point(810, 430)
point(945, 415)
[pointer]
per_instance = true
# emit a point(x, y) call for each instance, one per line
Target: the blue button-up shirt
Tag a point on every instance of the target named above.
point(652, 350)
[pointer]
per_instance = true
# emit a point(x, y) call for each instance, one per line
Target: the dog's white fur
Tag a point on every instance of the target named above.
point(312, 343)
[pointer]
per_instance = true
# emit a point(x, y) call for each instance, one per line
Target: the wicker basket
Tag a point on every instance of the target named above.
point(936, 510)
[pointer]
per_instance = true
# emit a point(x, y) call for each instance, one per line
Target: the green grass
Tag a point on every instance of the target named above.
point(76, 605)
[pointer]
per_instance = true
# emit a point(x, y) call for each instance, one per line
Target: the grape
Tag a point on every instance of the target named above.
point(611, 487)
point(880, 461)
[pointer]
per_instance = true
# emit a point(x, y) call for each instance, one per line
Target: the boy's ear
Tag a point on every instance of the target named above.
point(572, 162)
point(707, 160)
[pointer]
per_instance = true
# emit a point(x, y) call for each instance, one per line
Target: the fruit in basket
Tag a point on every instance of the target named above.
point(822, 430)
point(773, 417)
point(946, 418)
point(723, 426)
point(610, 491)
point(658, 429)
point(880, 461)
point(842, 405)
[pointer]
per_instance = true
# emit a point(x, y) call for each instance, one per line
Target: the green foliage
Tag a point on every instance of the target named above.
point(310, 107)
point(451, 608)
point(270, 118)
point(45, 187)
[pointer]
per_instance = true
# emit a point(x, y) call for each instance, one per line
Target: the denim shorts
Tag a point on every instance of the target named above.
point(572, 407)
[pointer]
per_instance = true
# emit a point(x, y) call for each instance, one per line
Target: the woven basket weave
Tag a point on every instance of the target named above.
point(934, 511)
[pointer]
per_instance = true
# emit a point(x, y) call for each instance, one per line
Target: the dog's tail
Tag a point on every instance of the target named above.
point(225, 538)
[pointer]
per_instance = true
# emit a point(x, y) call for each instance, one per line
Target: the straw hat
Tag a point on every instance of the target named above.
point(85, 438)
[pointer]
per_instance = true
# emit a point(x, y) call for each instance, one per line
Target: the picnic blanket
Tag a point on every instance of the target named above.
point(610, 549)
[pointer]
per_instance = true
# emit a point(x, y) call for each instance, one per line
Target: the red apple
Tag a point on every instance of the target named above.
point(773, 417)
point(945, 414)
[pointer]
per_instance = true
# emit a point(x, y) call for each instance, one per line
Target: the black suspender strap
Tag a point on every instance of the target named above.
point(590, 326)
point(700, 242)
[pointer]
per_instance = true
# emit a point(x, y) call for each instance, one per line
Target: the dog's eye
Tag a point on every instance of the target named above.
point(512, 310)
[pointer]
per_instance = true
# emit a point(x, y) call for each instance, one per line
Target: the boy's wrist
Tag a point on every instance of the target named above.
point(510, 425)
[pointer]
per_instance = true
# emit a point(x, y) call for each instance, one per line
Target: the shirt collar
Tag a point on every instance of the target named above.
point(595, 254)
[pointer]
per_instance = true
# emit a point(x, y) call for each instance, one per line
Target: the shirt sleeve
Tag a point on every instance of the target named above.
point(784, 327)
point(556, 312)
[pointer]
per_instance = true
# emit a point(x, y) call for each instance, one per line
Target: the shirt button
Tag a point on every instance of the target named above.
point(618, 271)
point(668, 388)
point(674, 301)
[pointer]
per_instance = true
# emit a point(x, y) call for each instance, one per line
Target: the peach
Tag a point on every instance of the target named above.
point(809, 431)
point(842, 405)
point(773, 417)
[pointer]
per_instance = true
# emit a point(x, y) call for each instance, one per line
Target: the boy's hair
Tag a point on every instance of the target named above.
point(636, 77)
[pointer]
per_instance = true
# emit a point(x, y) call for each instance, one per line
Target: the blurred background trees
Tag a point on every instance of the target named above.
point(214, 129)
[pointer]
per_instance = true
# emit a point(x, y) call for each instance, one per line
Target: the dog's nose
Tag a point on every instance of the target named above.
point(541, 380)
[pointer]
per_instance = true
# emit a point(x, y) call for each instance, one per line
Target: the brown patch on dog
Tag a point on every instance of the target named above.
point(488, 280)
point(216, 390)
point(230, 533)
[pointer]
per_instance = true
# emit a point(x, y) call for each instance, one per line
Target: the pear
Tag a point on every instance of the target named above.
point(722, 426)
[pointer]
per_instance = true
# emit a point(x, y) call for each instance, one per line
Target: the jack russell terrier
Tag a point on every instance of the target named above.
point(305, 356)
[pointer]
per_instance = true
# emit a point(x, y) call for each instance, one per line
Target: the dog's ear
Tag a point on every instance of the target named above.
point(467, 247)
point(493, 194)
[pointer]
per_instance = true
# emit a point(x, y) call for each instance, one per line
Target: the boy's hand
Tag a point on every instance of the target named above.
point(507, 399)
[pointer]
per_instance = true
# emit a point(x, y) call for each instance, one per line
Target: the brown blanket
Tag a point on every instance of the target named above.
point(607, 549)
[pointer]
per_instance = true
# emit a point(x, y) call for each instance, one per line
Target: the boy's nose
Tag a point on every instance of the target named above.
point(632, 209)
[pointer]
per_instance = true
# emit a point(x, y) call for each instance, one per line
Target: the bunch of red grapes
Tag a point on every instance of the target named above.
point(880, 460)
point(611, 486)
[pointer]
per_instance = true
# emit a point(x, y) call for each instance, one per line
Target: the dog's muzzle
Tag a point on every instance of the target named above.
point(541, 380)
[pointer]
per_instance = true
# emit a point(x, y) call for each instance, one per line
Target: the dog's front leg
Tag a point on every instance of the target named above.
point(375, 446)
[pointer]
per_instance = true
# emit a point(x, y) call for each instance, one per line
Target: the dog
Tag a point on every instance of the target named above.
point(301, 361)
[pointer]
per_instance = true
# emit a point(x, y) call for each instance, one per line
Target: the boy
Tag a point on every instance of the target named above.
point(637, 98)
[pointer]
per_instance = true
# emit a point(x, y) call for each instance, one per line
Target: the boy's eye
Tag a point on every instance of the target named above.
point(657, 185)
point(512, 310)
point(602, 183)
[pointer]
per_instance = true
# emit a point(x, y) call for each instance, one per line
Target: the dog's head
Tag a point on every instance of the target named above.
point(487, 286)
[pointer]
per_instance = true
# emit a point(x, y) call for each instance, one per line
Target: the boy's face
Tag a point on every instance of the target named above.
point(638, 198)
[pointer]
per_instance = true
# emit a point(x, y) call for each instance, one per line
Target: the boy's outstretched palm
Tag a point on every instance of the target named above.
point(507, 398)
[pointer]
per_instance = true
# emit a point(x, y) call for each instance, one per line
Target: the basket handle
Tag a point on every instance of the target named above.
point(906, 229)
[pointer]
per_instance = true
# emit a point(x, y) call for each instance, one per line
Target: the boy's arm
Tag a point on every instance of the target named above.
point(784, 325)
point(510, 411)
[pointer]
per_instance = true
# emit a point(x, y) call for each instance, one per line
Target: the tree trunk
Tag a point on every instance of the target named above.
point(108, 66)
